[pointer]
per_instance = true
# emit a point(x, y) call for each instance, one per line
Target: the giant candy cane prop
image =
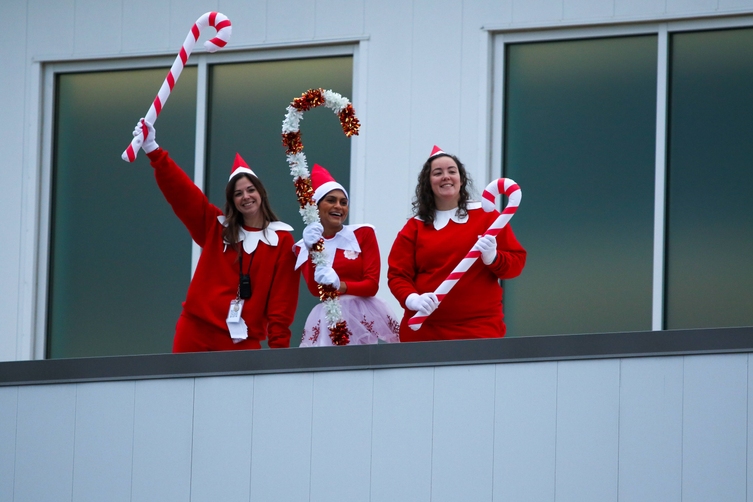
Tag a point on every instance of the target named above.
point(219, 22)
point(492, 190)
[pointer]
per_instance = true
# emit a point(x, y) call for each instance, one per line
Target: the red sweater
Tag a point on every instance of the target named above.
point(360, 273)
point(274, 280)
point(422, 257)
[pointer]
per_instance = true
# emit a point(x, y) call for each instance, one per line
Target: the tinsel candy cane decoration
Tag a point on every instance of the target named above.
point(495, 188)
point(219, 22)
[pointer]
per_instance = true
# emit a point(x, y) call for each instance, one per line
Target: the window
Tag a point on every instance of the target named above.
point(636, 215)
point(710, 180)
point(119, 260)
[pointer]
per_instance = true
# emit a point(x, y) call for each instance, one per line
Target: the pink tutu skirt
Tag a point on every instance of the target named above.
point(369, 319)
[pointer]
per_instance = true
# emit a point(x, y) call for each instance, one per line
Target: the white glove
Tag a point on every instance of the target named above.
point(327, 275)
point(150, 135)
point(425, 303)
point(312, 233)
point(488, 247)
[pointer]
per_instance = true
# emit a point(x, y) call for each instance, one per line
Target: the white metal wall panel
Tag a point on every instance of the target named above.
point(8, 410)
point(733, 5)
point(385, 139)
point(639, 8)
point(249, 18)
point(749, 442)
point(97, 27)
point(715, 428)
point(525, 425)
point(437, 42)
point(341, 436)
point(690, 6)
point(587, 9)
point(281, 454)
point(650, 454)
point(475, 71)
point(221, 467)
point(338, 18)
point(103, 446)
point(280, 16)
point(145, 26)
point(402, 433)
point(463, 440)
point(162, 438)
point(587, 430)
point(536, 11)
point(12, 93)
point(183, 14)
point(44, 443)
point(50, 28)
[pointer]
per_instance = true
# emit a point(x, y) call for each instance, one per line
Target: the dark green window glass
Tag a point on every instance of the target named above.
point(580, 140)
point(710, 180)
point(120, 260)
point(248, 102)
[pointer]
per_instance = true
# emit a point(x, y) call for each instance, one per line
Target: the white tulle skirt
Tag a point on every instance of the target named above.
point(369, 319)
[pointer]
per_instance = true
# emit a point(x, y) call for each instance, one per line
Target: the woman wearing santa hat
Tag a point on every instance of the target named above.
point(445, 227)
point(353, 265)
point(245, 287)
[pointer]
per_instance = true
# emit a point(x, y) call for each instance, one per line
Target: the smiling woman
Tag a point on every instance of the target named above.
point(446, 225)
point(352, 266)
point(245, 289)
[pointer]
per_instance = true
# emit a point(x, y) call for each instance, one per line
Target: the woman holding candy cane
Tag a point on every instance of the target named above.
point(353, 264)
point(245, 287)
point(445, 226)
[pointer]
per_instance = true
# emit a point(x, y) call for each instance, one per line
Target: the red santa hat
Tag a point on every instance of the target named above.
point(323, 183)
point(240, 166)
point(436, 151)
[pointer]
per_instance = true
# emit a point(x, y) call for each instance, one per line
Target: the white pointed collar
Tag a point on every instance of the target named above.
point(345, 239)
point(442, 218)
point(251, 238)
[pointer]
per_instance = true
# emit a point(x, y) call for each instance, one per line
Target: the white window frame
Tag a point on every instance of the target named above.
point(494, 40)
point(35, 246)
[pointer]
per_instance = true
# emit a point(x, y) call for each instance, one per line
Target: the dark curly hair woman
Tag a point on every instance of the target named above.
point(446, 225)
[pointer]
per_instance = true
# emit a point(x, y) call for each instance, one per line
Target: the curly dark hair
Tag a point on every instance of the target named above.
point(423, 203)
point(233, 218)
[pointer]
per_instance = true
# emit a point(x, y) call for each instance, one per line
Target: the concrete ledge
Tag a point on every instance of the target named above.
point(506, 350)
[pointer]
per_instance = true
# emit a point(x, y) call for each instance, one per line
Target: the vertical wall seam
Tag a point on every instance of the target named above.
point(75, 422)
point(619, 417)
point(682, 430)
point(494, 425)
point(371, 437)
point(311, 433)
point(15, 450)
point(133, 439)
point(251, 450)
point(556, 419)
point(431, 449)
point(193, 433)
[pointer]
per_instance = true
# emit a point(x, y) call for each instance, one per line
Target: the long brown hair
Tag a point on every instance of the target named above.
point(233, 218)
point(423, 203)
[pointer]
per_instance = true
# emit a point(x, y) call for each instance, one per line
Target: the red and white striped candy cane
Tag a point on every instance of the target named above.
point(492, 190)
point(219, 22)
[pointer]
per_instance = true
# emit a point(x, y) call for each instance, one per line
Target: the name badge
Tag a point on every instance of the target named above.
point(234, 314)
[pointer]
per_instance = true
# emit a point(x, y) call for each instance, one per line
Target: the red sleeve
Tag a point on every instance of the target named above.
point(283, 296)
point(188, 202)
point(307, 270)
point(369, 285)
point(511, 257)
point(402, 263)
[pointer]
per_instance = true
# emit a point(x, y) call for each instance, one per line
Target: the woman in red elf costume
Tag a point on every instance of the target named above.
point(245, 287)
point(445, 227)
point(353, 266)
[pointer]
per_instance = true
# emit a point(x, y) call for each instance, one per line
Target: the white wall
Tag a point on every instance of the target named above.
point(423, 80)
point(664, 429)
